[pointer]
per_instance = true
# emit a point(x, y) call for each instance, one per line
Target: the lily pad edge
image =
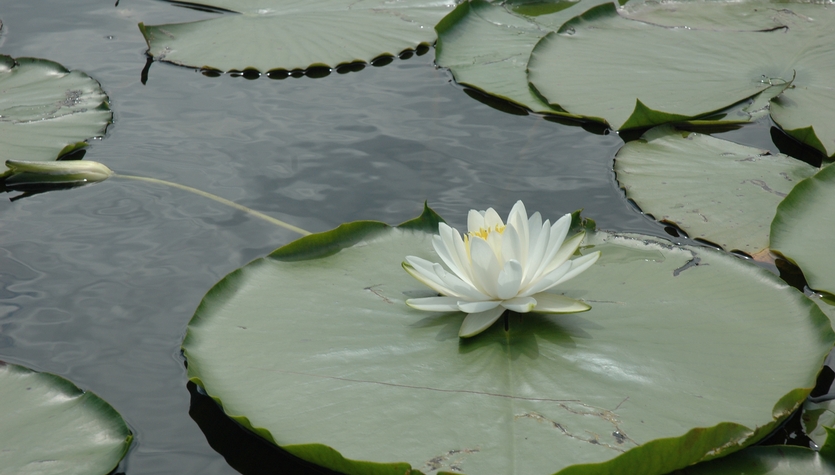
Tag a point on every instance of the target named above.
point(682, 451)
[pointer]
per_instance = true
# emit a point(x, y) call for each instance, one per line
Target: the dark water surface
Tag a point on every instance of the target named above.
point(97, 284)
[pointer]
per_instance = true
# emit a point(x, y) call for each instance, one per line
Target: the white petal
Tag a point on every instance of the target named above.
point(446, 283)
point(434, 304)
point(443, 252)
point(546, 281)
point(462, 255)
point(518, 219)
point(579, 265)
point(492, 219)
point(438, 279)
point(458, 286)
point(475, 220)
point(534, 230)
point(559, 230)
point(536, 252)
point(551, 303)
point(495, 239)
point(511, 245)
point(534, 225)
point(510, 278)
point(445, 246)
point(518, 214)
point(519, 207)
point(520, 304)
point(416, 267)
point(485, 267)
point(442, 281)
point(565, 252)
point(477, 307)
point(561, 227)
point(476, 323)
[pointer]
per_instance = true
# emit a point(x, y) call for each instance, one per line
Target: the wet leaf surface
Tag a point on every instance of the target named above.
point(715, 190)
point(295, 35)
point(52, 427)
point(295, 350)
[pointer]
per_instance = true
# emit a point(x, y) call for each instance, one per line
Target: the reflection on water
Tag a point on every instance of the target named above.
point(97, 284)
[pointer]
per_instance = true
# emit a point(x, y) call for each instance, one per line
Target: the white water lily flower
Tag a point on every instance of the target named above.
point(498, 267)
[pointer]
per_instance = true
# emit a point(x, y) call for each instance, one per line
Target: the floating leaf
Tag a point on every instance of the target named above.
point(47, 111)
point(487, 45)
point(314, 349)
point(715, 190)
point(660, 74)
point(803, 112)
point(267, 35)
point(771, 460)
point(49, 426)
point(719, 15)
point(800, 112)
point(802, 228)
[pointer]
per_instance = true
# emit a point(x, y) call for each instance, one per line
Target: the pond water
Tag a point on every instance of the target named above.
point(97, 284)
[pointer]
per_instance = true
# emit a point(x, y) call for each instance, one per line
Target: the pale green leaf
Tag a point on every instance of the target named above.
point(49, 426)
point(323, 357)
point(715, 190)
point(635, 74)
point(289, 35)
point(803, 226)
point(487, 45)
point(47, 111)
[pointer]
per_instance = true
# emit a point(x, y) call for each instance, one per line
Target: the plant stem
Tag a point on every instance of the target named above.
point(252, 212)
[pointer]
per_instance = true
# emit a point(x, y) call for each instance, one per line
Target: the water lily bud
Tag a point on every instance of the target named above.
point(69, 172)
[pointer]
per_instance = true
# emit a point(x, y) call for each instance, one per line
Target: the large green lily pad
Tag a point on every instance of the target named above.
point(47, 111)
point(804, 111)
point(487, 45)
point(803, 226)
point(291, 35)
point(718, 15)
point(49, 426)
point(668, 70)
point(715, 190)
point(314, 349)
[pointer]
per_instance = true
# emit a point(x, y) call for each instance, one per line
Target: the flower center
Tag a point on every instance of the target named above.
point(484, 232)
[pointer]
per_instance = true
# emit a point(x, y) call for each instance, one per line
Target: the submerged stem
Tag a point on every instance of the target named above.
point(250, 211)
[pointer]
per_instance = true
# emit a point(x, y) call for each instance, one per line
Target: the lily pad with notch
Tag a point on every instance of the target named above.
point(314, 349)
point(802, 228)
point(487, 45)
point(713, 189)
point(296, 35)
point(665, 70)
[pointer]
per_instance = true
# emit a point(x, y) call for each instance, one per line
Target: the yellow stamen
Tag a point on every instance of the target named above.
point(484, 232)
point(481, 233)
